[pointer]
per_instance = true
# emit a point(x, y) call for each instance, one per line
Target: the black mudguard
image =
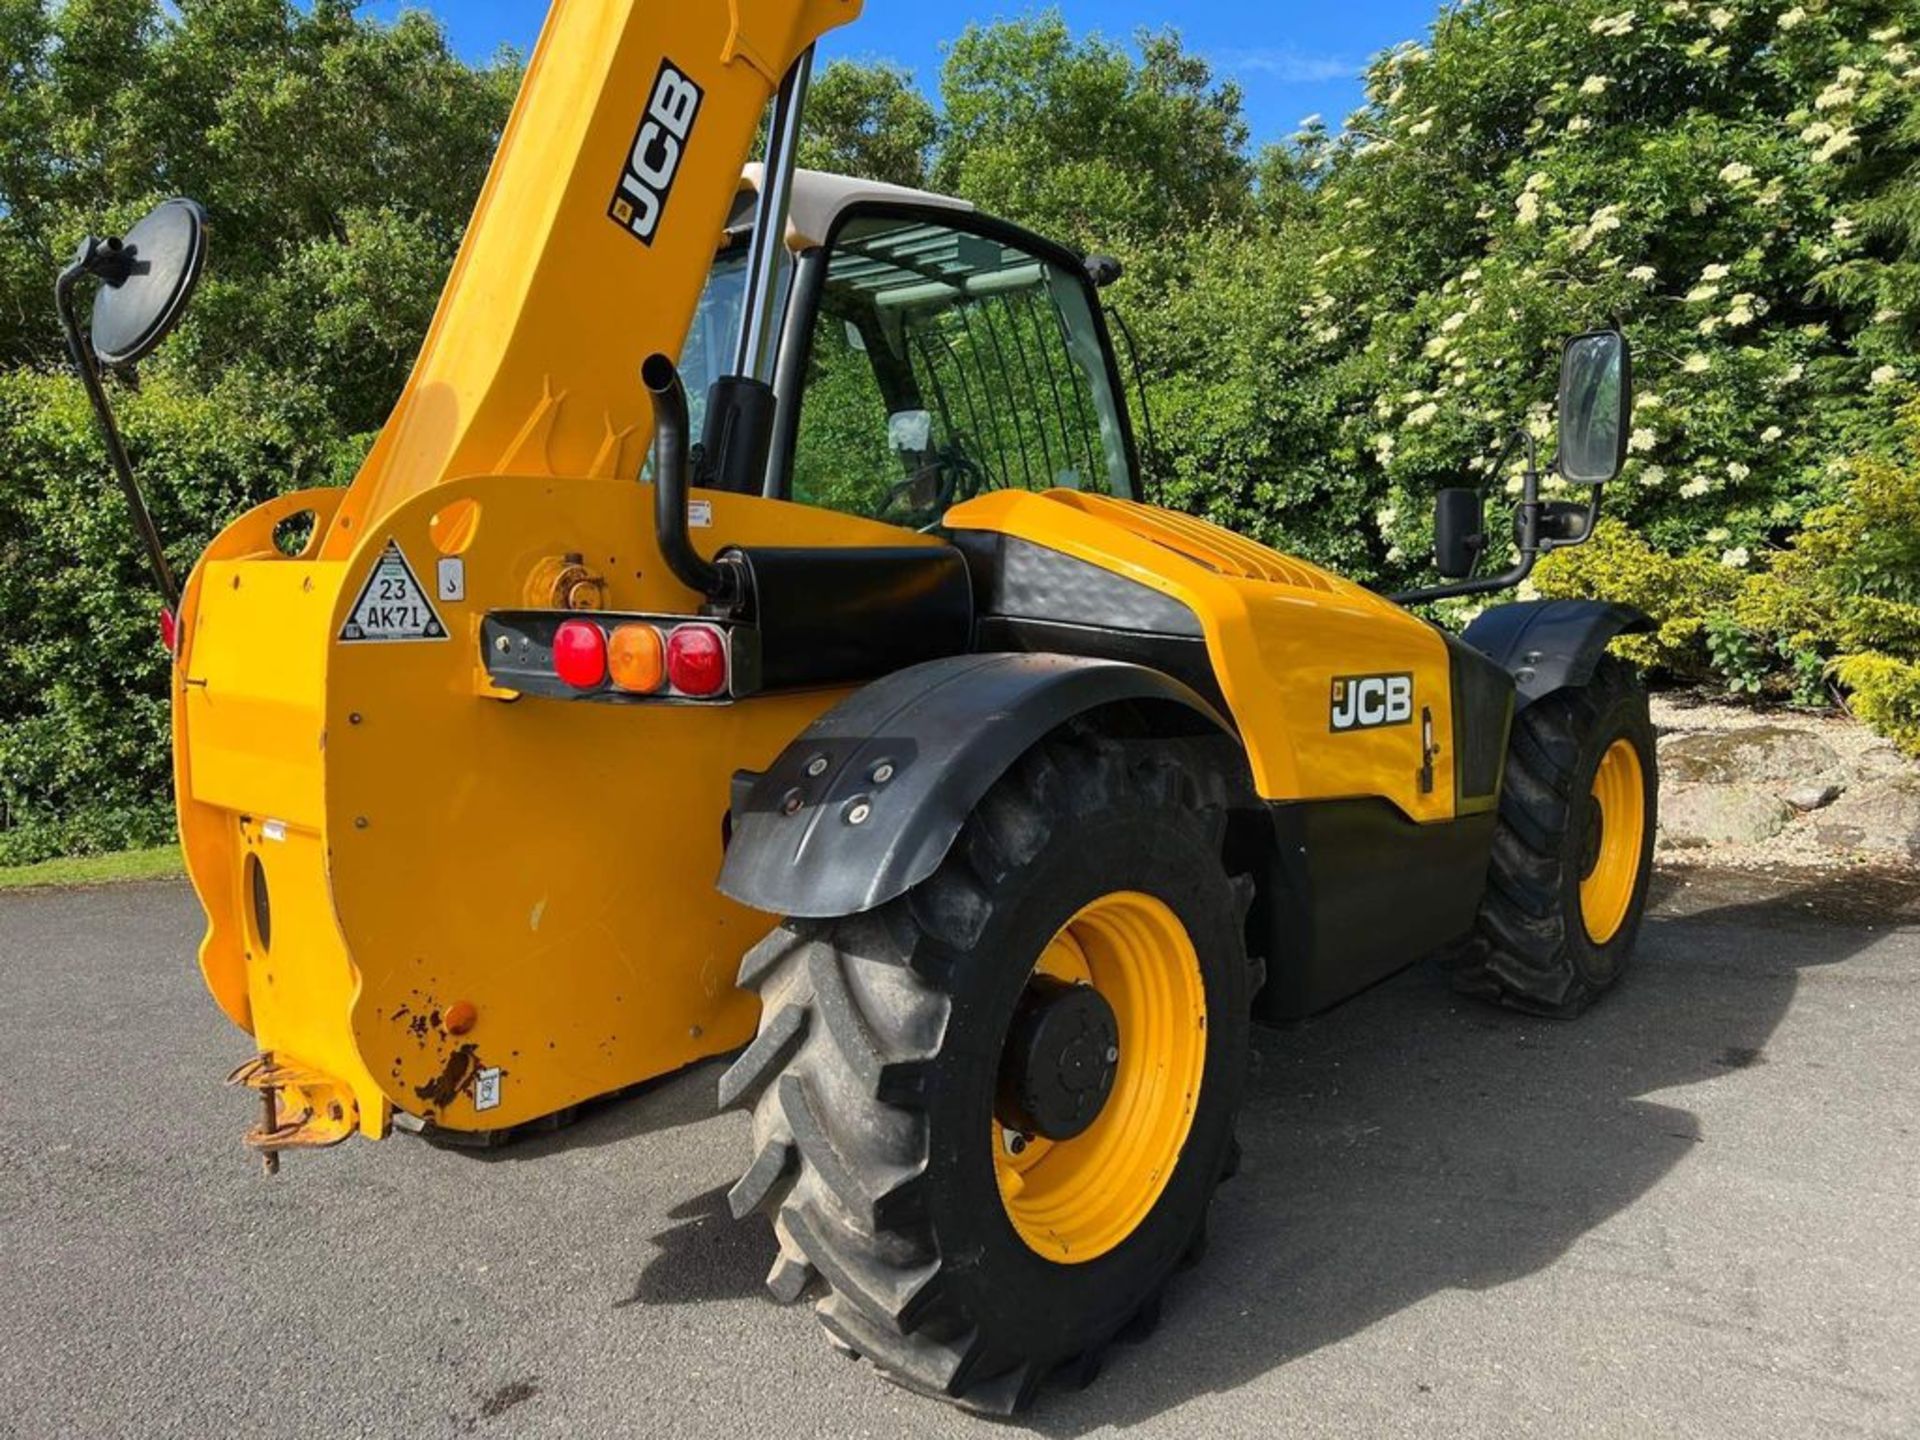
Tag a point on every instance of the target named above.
point(865, 804)
point(1548, 645)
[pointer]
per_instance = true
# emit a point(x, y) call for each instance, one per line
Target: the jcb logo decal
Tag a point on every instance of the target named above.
point(1368, 702)
point(657, 150)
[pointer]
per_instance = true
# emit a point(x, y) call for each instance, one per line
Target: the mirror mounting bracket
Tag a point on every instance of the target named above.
point(99, 259)
point(1537, 529)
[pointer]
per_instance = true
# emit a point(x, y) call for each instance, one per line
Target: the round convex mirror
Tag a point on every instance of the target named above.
point(162, 256)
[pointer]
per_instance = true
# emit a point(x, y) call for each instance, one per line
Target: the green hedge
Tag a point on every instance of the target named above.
point(1331, 327)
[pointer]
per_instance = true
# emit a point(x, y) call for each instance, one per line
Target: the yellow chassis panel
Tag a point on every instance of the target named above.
point(428, 842)
point(1279, 632)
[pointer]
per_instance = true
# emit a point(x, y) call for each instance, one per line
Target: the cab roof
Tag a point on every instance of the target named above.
point(819, 200)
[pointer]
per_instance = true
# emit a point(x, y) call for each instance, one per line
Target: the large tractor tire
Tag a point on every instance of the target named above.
point(989, 1117)
point(1572, 851)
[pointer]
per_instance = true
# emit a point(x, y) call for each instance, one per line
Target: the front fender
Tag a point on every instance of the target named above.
point(1549, 645)
point(866, 802)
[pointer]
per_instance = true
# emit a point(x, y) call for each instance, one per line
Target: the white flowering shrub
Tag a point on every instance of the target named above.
point(1728, 183)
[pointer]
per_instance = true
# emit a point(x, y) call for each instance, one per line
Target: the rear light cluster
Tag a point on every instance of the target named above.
point(637, 658)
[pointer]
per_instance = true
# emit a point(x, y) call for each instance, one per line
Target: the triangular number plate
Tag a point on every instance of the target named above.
point(393, 606)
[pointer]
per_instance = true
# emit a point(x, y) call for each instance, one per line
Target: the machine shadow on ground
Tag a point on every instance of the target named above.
point(1405, 1144)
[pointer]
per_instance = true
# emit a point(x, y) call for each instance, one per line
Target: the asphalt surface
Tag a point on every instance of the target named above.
point(1691, 1213)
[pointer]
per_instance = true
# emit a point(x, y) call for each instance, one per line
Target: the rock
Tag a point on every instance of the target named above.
point(1694, 816)
point(1813, 797)
point(1881, 758)
point(1879, 819)
point(1761, 753)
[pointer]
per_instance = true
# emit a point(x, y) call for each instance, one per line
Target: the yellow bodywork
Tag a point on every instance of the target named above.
point(1279, 632)
point(428, 896)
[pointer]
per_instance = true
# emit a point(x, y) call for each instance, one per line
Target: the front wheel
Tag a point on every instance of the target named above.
point(988, 1118)
point(1572, 850)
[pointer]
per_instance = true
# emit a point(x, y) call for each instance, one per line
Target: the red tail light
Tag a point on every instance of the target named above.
point(580, 655)
point(697, 660)
point(169, 631)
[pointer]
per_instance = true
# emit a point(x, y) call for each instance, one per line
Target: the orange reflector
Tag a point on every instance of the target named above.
point(637, 659)
point(461, 1017)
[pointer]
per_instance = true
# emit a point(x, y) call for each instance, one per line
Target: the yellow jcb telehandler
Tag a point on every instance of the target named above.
point(1020, 797)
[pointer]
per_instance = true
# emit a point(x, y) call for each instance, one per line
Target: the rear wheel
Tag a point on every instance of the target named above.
point(1573, 849)
point(989, 1117)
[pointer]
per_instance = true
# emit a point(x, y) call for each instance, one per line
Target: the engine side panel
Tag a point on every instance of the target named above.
point(1336, 692)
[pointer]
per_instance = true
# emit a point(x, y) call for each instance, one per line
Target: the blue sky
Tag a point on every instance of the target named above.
point(1293, 59)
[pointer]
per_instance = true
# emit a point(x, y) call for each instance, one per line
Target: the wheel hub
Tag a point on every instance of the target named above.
point(1059, 1064)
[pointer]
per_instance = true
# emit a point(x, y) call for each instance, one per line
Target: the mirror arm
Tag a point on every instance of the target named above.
point(96, 259)
point(1526, 526)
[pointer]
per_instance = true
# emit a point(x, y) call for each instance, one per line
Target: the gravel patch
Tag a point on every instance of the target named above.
point(1841, 791)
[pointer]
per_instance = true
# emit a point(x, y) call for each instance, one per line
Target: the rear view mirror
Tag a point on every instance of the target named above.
point(1596, 406)
point(1459, 532)
point(146, 280)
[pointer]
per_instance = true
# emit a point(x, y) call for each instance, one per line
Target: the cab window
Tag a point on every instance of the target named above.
point(945, 364)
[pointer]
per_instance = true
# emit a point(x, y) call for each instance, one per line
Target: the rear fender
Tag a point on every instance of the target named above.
point(1550, 645)
point(865, 804)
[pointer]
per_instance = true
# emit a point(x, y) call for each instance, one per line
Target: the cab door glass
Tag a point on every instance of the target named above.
point(946, 364)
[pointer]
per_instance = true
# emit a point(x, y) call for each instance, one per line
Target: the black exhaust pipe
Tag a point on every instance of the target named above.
point(672, 465)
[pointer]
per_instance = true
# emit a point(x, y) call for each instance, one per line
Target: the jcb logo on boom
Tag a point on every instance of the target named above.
point(657, 150)
point(1368, 702)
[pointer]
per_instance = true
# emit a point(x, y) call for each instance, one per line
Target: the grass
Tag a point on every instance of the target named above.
point(162, 864)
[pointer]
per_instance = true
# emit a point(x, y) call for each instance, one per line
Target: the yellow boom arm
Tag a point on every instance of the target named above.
point(590, 246)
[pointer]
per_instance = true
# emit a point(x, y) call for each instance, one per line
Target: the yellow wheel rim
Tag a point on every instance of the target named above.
point(1074, 1200)
point(1613, 853)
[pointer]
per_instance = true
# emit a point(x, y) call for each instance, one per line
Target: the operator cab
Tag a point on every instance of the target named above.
point(927, 354)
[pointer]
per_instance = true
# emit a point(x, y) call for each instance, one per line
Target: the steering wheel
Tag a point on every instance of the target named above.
point(956, 476)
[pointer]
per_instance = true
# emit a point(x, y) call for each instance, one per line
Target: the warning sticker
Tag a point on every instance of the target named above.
point(393, 606)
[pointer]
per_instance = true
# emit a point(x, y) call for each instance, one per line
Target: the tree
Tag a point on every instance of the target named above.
point(870, 121)
point(1078, 140)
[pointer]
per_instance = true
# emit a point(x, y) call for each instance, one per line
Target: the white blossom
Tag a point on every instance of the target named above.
point(1771, 434)
point(1719, 18)
point(1716, 272)
point(1793, 17)
point(1595, 84)
point(1834, 97)
point(1738, 472)
point(1736, 558)
point(1719, 535)
point(1736, 173)
point(1424, 415)
point(1653, 477)
point(1645, 274)
point(1614, 25)
point(1700, 294)
point(1885, 375)
point(1697, 364)
point(1840, 141)
point(1695, 487)
point(1527, 209)
point(1642, 439)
